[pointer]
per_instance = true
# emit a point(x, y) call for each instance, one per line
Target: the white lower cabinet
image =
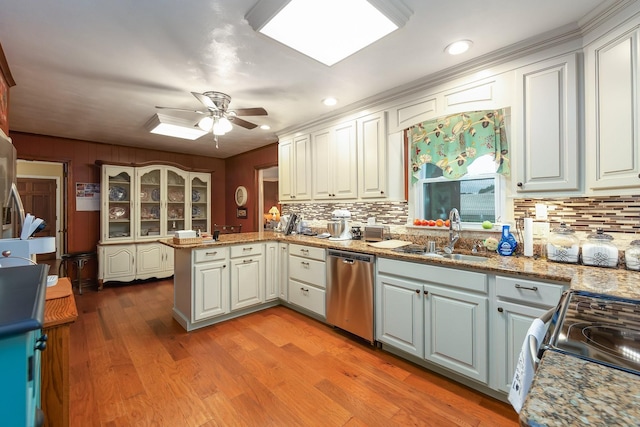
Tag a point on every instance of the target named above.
point(307, 278)
point(271, 271)
point(517, 304)
point(455, 329)
point(200, 286)
point(210, 290)
point(399, 314)
point(117, 262)
point(127, 262)
point(436, 313)
point(247, 275)
point(153, 260)
point(283, 271)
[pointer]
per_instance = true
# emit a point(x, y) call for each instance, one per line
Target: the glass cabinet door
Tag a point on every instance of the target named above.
point(200, 202)
point(176, 201)
point(118, 203)
point(150, 195)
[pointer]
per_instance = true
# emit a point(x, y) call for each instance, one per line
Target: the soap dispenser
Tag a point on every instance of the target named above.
point(507, 245)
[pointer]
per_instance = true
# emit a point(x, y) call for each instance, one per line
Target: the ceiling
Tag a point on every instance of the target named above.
point(95, 71)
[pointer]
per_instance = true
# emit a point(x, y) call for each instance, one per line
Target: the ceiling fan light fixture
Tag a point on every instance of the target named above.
point(225, 124)
point(325, 29)
point(206, 123)
point(170, 126)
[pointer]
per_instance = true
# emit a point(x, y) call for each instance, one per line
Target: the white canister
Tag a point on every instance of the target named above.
point(599, 251)
point(563, 245)
point(632, 256)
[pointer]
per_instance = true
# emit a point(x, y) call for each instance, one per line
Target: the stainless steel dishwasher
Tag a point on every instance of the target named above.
point(350, 292)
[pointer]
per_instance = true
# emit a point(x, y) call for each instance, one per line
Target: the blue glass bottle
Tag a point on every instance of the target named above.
point(508, 243)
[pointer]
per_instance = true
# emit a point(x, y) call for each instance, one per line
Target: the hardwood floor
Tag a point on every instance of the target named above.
point(133, 365)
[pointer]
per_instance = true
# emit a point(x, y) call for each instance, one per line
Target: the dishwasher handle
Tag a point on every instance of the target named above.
point(351, 257)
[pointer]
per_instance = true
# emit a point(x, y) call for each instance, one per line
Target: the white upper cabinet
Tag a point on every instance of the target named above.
point(372, 156)
point(163, 202)
point(612, 124)
point(546, 126)
point(334, 162)
point(117, 204)
point(294, 168)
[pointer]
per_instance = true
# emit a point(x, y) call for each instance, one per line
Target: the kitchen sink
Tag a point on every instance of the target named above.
point(468, 258)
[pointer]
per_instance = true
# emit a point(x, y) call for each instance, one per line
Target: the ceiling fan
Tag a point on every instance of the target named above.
point(218, 118)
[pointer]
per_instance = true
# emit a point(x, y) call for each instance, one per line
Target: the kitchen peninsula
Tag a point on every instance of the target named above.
point(231, 247)
point(617, 281)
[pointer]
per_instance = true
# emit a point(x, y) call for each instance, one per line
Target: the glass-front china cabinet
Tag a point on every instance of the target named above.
point(139, 206)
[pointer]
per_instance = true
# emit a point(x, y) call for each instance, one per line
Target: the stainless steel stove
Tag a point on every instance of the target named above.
point(597, 327)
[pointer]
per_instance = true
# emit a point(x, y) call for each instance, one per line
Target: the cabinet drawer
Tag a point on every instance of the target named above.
point(209, 254)
point(313, 299)
point(529, 291)
point(450, 277)
point(308, 270)
point(246, 250)
point(307, 252)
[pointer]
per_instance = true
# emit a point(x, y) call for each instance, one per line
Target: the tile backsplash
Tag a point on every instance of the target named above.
point(619, 214)
point(386, 212)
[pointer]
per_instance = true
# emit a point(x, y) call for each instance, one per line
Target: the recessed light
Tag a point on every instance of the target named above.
point(330, 101)
point(456, 48)
point(265, 127)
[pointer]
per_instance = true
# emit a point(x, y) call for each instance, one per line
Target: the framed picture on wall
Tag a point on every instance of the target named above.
point(241, 212)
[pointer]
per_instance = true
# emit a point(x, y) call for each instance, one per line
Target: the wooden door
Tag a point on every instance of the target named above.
point(39, 199)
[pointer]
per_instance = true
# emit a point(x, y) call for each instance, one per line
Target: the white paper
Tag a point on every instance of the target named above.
point(528, 237)
point(523, 376)
point(28, 220)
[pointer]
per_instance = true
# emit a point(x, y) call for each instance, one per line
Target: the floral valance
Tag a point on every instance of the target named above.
point(453, 142)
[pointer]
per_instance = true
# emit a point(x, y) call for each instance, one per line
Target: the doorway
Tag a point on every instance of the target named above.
point(267, 195)
point(40, 185)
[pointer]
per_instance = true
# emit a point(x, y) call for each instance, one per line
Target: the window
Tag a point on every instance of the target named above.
point(478, 195)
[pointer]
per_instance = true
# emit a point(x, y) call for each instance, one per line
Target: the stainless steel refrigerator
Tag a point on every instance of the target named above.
point(12, 209)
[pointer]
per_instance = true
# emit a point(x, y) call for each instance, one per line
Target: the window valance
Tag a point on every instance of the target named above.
point(453, 142)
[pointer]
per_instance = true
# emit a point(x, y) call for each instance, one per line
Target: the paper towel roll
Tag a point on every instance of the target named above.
point(528, 237)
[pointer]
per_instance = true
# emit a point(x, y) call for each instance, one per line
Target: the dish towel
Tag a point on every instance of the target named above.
point(523, 375)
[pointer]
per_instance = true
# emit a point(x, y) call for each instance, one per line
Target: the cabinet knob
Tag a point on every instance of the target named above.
point(519, 184)
point(418, 291)
point(500, 309)
point(426, 292)
point(381, 192)
point(41, 343)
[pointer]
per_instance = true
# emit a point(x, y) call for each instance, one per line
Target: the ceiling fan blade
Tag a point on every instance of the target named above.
point(259, 111)
point(182, 109)
point(205, 100)
point(245, 124)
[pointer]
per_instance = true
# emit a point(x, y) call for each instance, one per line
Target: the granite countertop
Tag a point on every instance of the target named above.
point(568, 391)
point(614, 281)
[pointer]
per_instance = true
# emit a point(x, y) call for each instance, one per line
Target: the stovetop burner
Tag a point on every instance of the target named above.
point(411, 249)
point(597, 327)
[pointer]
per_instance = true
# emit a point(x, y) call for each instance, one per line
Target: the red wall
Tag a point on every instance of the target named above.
point(242, 170)
point(84, 226)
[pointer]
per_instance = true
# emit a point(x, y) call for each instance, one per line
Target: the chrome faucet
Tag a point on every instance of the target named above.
point(454, 222)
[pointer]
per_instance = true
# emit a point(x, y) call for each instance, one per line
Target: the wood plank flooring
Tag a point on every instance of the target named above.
point(133, 365)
